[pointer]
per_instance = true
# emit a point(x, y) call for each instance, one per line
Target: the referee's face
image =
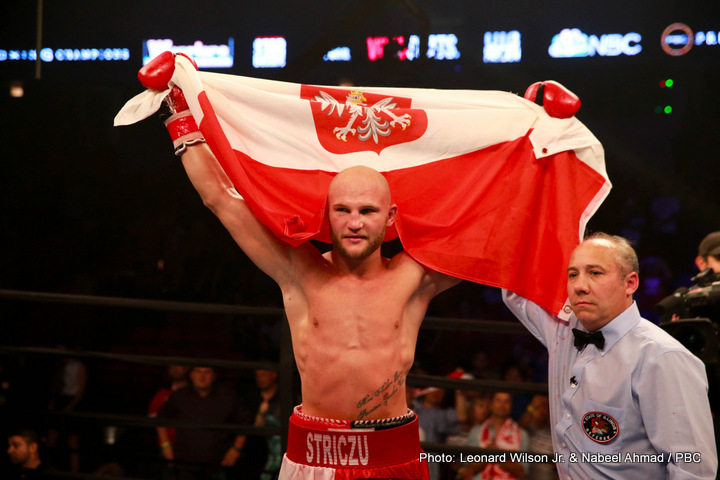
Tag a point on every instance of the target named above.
point(596, 288)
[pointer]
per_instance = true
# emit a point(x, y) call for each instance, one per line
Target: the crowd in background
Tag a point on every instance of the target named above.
point(37, 402)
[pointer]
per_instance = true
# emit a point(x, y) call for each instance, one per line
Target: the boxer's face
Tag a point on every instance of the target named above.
point(359, 213)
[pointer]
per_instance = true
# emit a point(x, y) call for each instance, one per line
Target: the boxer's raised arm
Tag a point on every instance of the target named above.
point(273, 256)
point(269, 253)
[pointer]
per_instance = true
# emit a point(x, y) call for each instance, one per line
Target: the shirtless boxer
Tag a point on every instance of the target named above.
point(354, 319)
point(354, 315)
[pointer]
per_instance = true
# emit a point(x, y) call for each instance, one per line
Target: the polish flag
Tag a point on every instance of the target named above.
point(489, 188)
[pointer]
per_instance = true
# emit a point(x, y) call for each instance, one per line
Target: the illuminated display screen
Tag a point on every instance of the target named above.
point(439, 47)
point(205, 56)
point(326, 42)
point(502, 47)
point(572, 42)
point(269, 52)
point(67, 55)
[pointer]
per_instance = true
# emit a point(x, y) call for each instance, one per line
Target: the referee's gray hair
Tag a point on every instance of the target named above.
point(625, 256)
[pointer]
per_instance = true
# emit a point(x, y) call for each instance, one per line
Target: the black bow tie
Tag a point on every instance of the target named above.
point(583, 338)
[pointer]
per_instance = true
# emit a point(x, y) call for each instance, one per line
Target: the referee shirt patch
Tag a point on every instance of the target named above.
point(600, 427)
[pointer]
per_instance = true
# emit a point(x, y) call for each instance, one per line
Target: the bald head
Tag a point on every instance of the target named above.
point(359, 179)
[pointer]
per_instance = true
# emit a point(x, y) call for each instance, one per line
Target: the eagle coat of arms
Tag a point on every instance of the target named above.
point(351, 120)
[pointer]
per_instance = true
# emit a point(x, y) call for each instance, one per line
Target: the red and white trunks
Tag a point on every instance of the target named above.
point(322, 449)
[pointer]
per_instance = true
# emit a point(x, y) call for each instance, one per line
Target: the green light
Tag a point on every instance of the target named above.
point(667, 109)
point(669, 82)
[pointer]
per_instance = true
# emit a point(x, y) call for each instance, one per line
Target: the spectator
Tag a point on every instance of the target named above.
point(536, 420)
point(478, 410)
point(497, 432)
point(178, 376)
point(268, 415)
point(472, 409)
point(482, 368)
point(709, 258)
point(24, 455)
point(515, 372)
point(438, 418)
point(262, 456)
point(199, 453)
point(709, 253)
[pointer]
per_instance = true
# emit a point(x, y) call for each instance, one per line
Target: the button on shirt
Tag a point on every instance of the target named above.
point(651, 390)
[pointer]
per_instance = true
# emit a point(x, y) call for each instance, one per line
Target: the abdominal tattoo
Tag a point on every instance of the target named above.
point(389, 388)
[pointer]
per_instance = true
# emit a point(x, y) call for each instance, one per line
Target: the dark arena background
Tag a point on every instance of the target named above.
point(108, 255)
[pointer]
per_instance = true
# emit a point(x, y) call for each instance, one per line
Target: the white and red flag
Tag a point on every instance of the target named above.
point(489, 187)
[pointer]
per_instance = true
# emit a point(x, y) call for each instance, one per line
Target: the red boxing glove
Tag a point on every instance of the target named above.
point(156, 75)
point(159, 71)
point(558, 101)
